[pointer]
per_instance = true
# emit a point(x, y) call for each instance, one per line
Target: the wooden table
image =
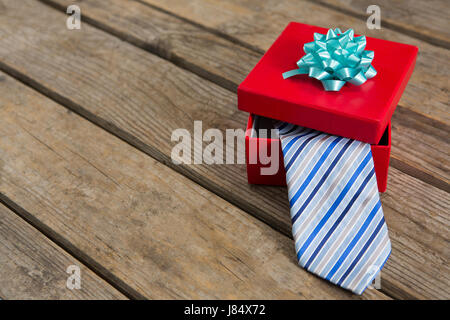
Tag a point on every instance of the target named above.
point(86, 176)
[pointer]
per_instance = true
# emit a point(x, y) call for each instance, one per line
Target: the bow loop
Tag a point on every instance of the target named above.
point(336, 58)
point(318, 36)
point(330, 34)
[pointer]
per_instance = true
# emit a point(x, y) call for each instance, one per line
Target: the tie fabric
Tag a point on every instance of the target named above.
point(337, 219)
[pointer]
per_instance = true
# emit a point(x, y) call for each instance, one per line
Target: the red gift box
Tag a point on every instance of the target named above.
point(357, 112)
point(380, 153)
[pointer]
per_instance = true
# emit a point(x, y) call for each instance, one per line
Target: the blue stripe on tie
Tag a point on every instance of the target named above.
point(319, 184)
point(336, 223)
point(297, 152)
point(363, 250)
point(334, 206)
point(293, 140)
point(313, 172)
point(354, 241)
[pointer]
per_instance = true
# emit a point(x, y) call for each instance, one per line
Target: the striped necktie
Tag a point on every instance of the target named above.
point(337, 219)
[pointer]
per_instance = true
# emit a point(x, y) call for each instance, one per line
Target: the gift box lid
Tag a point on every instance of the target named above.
point(357, 112)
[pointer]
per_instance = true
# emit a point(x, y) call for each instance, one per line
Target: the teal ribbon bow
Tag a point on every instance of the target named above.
point(336, 58)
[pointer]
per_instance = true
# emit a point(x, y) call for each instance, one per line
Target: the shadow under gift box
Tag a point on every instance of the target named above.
point(380, 153)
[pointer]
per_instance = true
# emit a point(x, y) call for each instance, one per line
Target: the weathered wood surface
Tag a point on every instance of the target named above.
point(417, 216)
point(421, 148)
point(33, 267)
point(258, 23)
point(171, 38)
point(427, 20)
point(116, 89)
point(227, 64)
point(155, 230)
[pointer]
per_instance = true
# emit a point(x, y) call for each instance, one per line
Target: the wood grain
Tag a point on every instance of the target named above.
point(226, 63)
point(33, 267)
point(426, 20)
point(417, 216)
point(181, 42)
point(258, 23)
point(421, 148)
point(142, 98)
point(157, 231)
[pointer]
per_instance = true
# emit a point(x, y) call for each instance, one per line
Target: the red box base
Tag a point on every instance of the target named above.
point(380, 152)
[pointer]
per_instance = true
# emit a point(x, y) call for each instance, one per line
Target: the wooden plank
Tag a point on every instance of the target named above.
point(33, 267)
point(427, 20)
point(144, 107)
point(185, 44)
point(259, 23)
point(417, 216)
point(157, 231)
point(227, 64)
point(421, 148)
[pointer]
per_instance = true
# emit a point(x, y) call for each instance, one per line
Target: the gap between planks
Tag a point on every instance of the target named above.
point(405, 166)
point(389, 23)
point(162, 53)
point(97, 268)
point(103, 176)
point(72, 250)
point(260, 23)
point(34, 266)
